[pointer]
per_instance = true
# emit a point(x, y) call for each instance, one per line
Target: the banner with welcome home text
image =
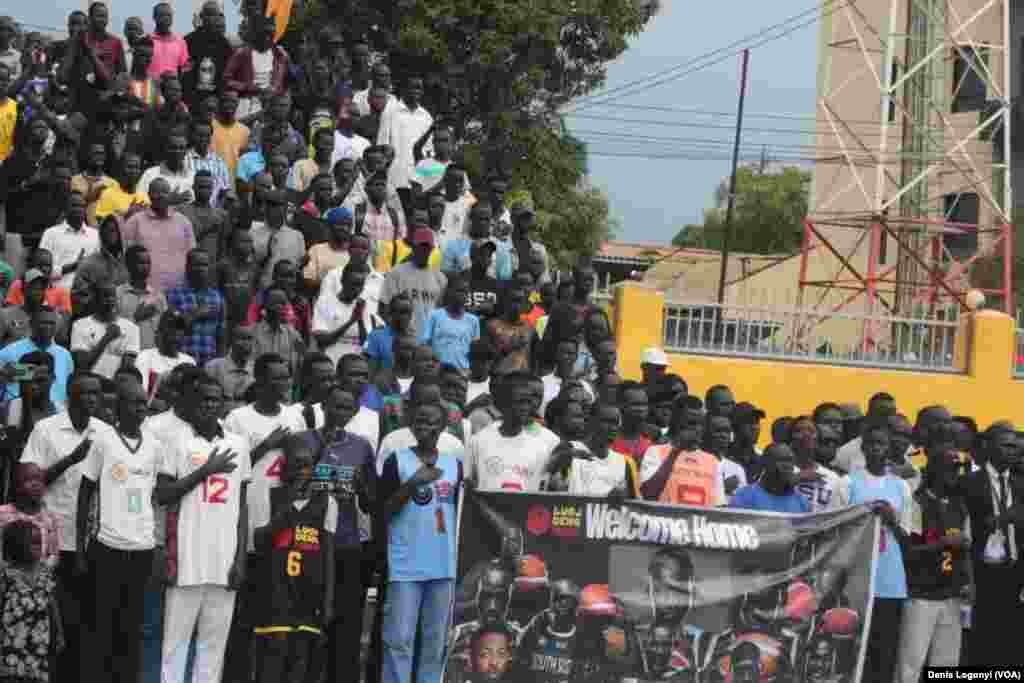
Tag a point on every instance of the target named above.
point(562, 589)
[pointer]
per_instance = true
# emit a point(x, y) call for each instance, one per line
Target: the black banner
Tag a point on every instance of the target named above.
point(563, 589)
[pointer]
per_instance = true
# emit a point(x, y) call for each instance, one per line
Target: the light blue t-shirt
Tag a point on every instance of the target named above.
point(63, 366)
point(421, 536)
point(455, 258)
point(890, 574)
point(250, 164)
point(754, 497)
point(379, 346)
point(450, 337)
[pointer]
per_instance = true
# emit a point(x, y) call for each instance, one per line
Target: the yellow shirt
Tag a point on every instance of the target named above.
point(382, 259)
point(86, 185)
point(8, 120)
point(116, 201)
point(229, 142)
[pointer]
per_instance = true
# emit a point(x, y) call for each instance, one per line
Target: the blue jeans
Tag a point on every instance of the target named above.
point(408, 604)
point(153, 637)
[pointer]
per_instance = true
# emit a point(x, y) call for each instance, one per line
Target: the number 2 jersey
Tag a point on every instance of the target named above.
point(941, 573)
point(266, 474)
point(202, 529)
point(296, 578)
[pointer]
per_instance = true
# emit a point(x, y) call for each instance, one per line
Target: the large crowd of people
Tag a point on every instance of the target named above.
point(262, 328)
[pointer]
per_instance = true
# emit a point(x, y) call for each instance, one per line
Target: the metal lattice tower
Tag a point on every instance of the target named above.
point(914, 111)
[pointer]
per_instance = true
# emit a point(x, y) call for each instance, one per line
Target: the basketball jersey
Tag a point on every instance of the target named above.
point(694, 479)
point(266, 474)
point(202, 530)
point(296, 590)
point(890, 575)
point(941, 573)
point(549, 657)
point(422, 535)
point(125, 472)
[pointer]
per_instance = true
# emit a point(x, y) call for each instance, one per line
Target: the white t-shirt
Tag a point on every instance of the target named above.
point(67, 245)
point(330, 314)
point(348, 147)
point(365, 423)
point(331, 285)
point(730, 468)
point(52, 440)
point(821, 494)
point(598, 477)
point(125, 481)
point(501, 463)
point(262, 68)
point(476, 389)
point(207, 523)
point(403, 438)
point(86, 334)
point(181, 181)
point(266, 474)
point(152, 362)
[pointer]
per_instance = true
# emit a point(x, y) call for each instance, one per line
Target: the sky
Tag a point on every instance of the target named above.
point(651, 199)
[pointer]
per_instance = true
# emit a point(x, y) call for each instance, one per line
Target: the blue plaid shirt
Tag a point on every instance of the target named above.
point(213, 163)
point(201, 342)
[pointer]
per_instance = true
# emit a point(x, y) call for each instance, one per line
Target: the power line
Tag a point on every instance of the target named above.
point(708, 59)
point(699, 124)
point(699, 58)
point(761, 115)
point(639, 140)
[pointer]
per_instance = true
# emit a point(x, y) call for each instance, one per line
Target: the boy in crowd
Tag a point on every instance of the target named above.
point(298, 588)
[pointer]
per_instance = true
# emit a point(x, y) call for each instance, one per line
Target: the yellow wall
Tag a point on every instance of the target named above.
point(985, 391)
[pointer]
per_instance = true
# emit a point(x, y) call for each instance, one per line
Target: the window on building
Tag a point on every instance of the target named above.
point(969, 91)
point(962, 207)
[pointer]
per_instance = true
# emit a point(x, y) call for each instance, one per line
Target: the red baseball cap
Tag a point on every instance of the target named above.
point(423, 236)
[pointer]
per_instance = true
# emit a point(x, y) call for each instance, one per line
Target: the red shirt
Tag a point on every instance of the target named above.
point(635, 448)
point(109, 52)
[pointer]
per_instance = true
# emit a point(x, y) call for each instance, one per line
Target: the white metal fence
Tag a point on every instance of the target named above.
point(811, 336)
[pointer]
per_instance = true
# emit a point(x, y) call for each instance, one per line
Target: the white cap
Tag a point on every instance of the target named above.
point(653, 356)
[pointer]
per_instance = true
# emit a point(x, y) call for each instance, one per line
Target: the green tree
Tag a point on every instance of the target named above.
point(498, 72)
point(766, 217)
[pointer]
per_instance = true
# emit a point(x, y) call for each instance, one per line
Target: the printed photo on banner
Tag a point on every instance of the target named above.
point(558, 589)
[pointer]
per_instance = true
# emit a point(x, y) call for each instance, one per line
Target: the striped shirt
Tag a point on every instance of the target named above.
point(217, 167)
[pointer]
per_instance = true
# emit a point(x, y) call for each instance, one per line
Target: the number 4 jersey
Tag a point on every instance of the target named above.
point(266, 474)
point(202, 531)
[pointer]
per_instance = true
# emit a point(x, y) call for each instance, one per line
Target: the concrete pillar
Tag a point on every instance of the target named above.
point(639, 323)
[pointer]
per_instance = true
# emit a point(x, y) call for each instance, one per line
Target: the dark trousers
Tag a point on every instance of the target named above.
point(407, 197)
point(73, 600)
point(289, 658)
point(119, 579)
point(353, 573)
point(883, 640)
point(993, 641)
point(248, 606)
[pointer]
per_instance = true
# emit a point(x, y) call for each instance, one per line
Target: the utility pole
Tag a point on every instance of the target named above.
point(732, 181)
